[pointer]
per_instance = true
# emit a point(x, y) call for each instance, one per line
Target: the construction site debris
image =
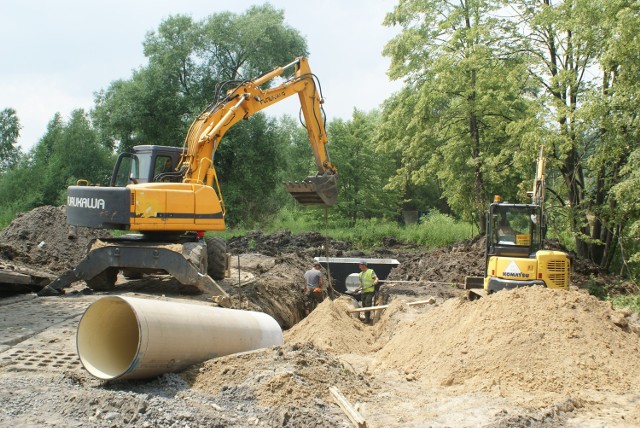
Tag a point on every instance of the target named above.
point(353, 415)
point(529, 357)
point(19, 242)
point(37, 244)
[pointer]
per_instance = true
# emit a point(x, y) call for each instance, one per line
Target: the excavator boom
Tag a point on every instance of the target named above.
point(248, 98)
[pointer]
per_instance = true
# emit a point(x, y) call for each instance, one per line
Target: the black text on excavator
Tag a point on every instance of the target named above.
point(171, 195)
point(514, 252)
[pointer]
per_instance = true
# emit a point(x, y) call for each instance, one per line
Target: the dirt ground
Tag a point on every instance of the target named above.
point(530, 357)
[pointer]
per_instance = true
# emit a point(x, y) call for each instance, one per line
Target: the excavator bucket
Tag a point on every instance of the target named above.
point(315, 190)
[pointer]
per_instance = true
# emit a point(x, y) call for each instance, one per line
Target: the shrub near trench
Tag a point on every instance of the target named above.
point(433, 230)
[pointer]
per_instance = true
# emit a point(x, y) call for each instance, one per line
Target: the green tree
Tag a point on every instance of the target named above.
point(616, 108)
point(240, 47)
point(362, 171)
point(68, 151)
point(247, 164)
point(144, 110)
point(191, 65)
point(465, 96)
point(9, 133)
point(590, 134)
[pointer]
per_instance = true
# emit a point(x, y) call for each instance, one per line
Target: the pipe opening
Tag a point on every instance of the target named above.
point(108, 338)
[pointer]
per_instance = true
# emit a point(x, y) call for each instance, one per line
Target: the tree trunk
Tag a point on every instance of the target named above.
point(474, 134)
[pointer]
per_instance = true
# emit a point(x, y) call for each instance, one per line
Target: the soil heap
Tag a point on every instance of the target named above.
point(40, 239)
point(541, 342)
point(545, 351)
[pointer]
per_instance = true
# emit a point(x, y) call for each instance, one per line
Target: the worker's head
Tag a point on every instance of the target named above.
point(363, 264)
point(317, 265)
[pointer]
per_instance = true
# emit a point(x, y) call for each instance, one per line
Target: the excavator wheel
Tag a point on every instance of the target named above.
point(104, 281)
point(216, 257)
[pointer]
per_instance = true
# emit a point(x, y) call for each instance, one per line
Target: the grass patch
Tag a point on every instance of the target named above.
point(630, 301)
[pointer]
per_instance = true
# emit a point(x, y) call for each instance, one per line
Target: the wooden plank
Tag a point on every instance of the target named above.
point(354, 416)
point(10, 277)
point(429, 301)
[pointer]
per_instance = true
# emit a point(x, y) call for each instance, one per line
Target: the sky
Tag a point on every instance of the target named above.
point(56, 55)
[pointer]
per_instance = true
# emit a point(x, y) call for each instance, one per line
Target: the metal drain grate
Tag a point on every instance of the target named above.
point(38, 360)
point(40, 336)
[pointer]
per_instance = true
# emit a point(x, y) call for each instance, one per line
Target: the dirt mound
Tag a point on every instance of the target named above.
point(310, 243)
point(39, 238)
point(448, 265)
point(532, 345)
point(530, 339)
point(289, 385)
point(277, 287)
point(330, 327)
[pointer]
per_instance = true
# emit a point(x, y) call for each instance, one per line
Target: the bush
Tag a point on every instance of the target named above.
point(433, 230)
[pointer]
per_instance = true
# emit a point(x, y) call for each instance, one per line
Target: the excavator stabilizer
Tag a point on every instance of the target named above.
point(315, 190)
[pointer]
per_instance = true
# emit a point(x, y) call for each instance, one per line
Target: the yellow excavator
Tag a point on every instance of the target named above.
point(514, 252)
point(170, 196)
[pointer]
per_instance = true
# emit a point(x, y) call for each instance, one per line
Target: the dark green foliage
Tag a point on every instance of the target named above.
point(452, 127)
point(66, 153)
point(247, 164)
point(143, 110)
point(597, 289)
point(363, 172)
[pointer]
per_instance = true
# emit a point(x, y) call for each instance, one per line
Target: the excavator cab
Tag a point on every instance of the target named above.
point(514, 229)
point(515, 255)
point(147, 163)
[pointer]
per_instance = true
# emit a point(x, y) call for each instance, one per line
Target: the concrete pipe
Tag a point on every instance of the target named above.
point(126, 338)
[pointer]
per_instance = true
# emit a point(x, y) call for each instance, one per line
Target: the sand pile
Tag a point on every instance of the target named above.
point(331, 328)
point(39, 238)
point(287, 385)
point(532, 344)
point(531, 339)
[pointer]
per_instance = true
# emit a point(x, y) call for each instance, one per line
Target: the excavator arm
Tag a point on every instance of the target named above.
point(538, 192)
point(243, 101)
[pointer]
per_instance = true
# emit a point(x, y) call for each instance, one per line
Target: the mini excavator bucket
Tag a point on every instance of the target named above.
point(315, 190)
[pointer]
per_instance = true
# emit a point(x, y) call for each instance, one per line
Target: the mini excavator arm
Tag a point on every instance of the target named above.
point(243, 101)
point(538, 192)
